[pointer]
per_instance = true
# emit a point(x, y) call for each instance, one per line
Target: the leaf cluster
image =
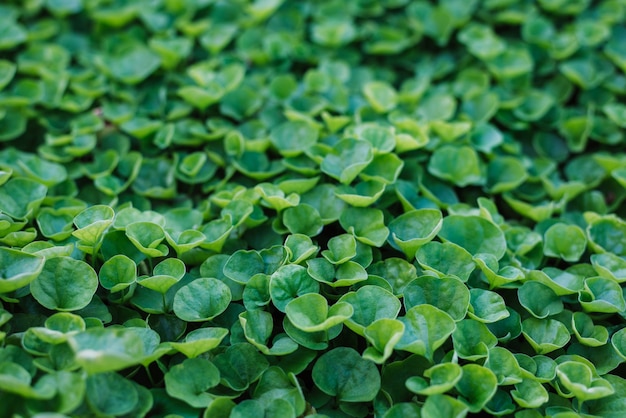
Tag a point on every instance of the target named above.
point(269, 208)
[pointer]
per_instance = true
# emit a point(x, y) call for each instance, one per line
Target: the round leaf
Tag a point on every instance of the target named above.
point(65, 284)
point(426, 329)
point(475, 234)
point(413, 229)
point(310, 312)
point(201, 300)
point(190, 380)
point(291, 138)
point(565, 241)
point(18, 269)
point(342, 373)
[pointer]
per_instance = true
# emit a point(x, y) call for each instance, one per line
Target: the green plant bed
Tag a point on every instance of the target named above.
point(281, 208)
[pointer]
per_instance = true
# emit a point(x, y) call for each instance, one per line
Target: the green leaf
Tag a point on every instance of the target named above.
point(289, 282)
point(190, 380)
point(539, 300)
point(346, 274)
point(445, 259)
point(333, 32)
point(459, 165)
point(201, 300)
point(147, 238)
point(505, 174)
point(610, 266)
point(381, 96)
point(370, 304)
point(240, 103)
point(131, 63)
point(100, 350)
point(486, 306)
point(481, 41)
point(257, 327)
point(303, 219)
point(200, 341)
point(411, 230)
point(474, 234)
point(275, 383)
point(443, 377)
point(118, 273)
point(18, 269)
point(292, 138)
point(12, 34)
point(383, 334)
point(21, 197)
point(609, 406)
point(616, 112)
point(240, 366)
point(472, 339)
point(342, 373)
point(577, 378)
point(367, 225)
point(530, 394)
point(384, 168)
point(7, 72)
point(511, 62)
point(565, 241)
point(300, 248)
point(602, 295)
point(364, 194)
point(165, 275)
point(341, 248)
point(92, 223)
point(477, 386)
point(607, 234)
point(65, 284)
point(588, 333)
point(110, 394)
point(561, 282)
point(447, 293)
point(504, 365)
point(440, 406)
point(347, 159)
point(426, 329)
point(545, 335)
point(311, 313)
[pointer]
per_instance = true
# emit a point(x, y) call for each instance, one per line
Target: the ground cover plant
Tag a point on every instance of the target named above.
point(390, 208)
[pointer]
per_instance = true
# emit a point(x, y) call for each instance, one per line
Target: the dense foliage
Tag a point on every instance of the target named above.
point(312, 208)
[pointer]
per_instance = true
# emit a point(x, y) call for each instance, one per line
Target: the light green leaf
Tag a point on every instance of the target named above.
point(311, 313)
point(367, 225)
point(446, 259)
point(443, 377)
point(545, 335)
point(413, 229)
point(202, 299)
point(381, 96)
point(539, 299)
point(565, 241)
point(426, 329)
point(65, 284)
point(370, 304)
point(200, 341)
point(18, 269)
point(459, 165)
point(347, 159)
point(475, 234)
point(486, 306)
point(383, 334)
